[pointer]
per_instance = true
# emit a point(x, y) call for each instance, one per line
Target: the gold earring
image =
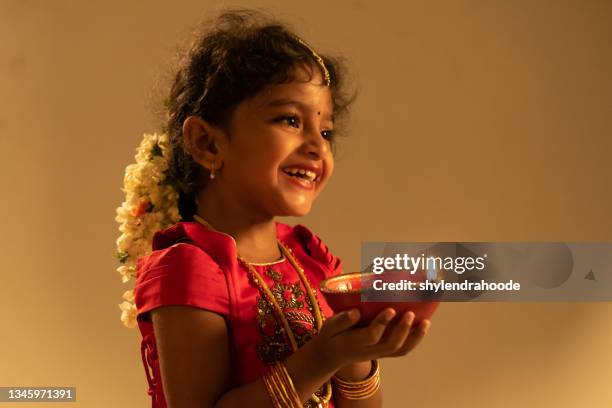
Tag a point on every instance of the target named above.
point(212, 171)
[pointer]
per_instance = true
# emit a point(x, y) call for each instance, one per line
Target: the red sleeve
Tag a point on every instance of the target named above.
point(182, 274)
point(317, 249)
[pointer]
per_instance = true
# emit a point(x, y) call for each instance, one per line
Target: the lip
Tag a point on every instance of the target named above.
point(300, 183)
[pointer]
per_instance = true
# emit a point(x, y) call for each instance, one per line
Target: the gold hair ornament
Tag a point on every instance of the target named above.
point(318, 58)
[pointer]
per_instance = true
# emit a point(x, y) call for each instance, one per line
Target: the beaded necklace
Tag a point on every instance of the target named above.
point(321, 402)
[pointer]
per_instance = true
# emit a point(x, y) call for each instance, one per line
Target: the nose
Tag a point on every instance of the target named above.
point(315, 144)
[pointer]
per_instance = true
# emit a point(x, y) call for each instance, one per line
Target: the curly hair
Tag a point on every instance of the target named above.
point(231, 58)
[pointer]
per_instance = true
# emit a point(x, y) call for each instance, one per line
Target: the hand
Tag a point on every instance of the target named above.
point(417, 333)
point(339, 344)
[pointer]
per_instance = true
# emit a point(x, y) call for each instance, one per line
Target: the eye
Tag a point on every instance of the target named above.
point(294, 121)
point(327, 134)
point(291, 120)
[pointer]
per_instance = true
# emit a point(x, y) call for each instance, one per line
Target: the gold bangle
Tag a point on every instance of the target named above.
point(282, 391)
point(286, 384)
point(360, 394)
point(280, 388)
point(271, 389)
point(363, 389)
point(289, 383)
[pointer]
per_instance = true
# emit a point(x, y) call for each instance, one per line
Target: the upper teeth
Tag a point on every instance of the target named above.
point(310, 175)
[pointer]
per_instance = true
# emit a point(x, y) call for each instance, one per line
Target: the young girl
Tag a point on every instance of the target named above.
point(228, 299)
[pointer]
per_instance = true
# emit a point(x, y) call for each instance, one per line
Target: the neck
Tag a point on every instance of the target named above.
point(255, 235)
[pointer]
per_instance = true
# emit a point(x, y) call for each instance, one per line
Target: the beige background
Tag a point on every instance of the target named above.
point(477, 120)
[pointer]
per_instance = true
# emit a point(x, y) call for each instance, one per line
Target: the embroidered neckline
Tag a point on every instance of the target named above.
point(283, 259)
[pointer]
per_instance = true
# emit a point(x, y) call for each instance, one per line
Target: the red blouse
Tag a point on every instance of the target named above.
point(191, 265)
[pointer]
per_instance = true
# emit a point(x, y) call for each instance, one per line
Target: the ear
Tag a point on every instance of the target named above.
point(205, 142)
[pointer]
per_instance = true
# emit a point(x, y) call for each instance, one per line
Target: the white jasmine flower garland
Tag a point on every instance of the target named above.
point(151, 204)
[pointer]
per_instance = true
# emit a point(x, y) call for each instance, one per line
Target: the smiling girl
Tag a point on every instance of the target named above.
point(228, 299)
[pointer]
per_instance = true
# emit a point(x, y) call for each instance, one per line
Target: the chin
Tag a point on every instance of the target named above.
point(293, 211)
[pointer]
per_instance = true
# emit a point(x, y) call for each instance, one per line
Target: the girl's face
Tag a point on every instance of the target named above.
point(278, 157)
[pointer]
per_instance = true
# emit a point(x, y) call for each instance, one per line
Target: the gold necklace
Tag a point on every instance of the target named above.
point(323, 401)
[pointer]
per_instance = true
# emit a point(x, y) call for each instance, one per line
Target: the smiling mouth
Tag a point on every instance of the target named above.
point(301, 174)
point(301, 180)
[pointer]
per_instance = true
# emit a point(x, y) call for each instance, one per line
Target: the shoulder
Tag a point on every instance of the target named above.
point(175, 247)
point(179, 258)
point(200, 243)
point(179, 271)
point(311, 244)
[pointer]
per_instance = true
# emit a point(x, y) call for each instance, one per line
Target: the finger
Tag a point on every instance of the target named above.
point(372, 334)
point(340, 322)
point(417, 334)
point(398, 335)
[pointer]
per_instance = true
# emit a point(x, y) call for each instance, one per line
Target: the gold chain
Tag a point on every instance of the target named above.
point(263, 286)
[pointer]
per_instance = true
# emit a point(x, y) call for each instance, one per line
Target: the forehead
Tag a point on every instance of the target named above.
point(306, 88)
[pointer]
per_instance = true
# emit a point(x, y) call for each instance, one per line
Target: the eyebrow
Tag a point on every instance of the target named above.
point(299, 104)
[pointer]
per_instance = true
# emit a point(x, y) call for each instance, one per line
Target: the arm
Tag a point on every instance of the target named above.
point(193, 355)
point(360, 370)
point(193, 349)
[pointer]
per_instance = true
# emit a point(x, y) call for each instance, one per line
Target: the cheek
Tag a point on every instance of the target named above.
point(329, 171)
point(272, 146)
point(330, 165)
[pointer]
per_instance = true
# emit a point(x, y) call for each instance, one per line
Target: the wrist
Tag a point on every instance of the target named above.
point(312, 362)
point(355, 371)
point(358, 388)
point(308, 370)
point(327, 360)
